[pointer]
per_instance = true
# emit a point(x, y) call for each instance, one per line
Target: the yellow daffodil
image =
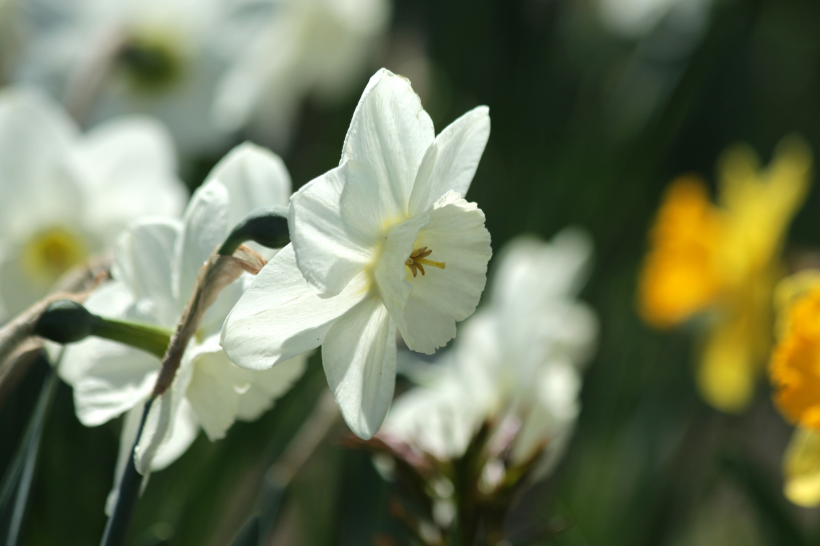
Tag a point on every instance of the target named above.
point(795, 374)
point(724, 259)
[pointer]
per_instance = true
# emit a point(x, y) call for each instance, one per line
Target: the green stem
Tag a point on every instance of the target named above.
point(149, 338)
point(66, 321)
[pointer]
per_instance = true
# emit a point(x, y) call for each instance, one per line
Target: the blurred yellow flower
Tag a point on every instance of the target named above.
point(795, 363)
point(801, 468)
point(724, 259)
point(795, 374)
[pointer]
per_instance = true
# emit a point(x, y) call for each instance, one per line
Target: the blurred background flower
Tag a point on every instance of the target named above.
point(67, 195)
point(725, 260)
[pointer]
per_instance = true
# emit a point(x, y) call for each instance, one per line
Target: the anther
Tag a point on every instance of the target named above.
point(417, 261)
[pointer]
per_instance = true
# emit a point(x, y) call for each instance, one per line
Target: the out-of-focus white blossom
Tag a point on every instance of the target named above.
point(516, 362)
point(362, 235)
point(160, 57)
point(205, 67)
point(319, 47)
point(157, 262)
point(636, 18)
point(66, 195)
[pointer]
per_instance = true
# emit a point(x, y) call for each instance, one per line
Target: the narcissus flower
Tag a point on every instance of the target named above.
point(157, 262)
point(795, 374)
point(724, 260)
point(347, 281)
point(66, 195)
point(516, 363)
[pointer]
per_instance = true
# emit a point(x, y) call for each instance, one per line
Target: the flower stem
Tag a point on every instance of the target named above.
point(149, 338)
point(66, 321)
point(116, 530)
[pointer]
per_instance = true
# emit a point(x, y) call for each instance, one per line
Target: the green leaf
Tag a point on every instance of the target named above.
point(773, 509)
point(16, 487)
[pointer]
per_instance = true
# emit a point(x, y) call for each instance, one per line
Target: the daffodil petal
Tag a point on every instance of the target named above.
point(457, 236)
point(266, 386)
point(170, 428)
point(180, 437)
point(280, 316)
point(330, 249)
point(439, 419)
point(130, 163)
point(727, 373)
point(359, 357)
point(801, 468)
point(29, 121)
point(16, 289)
point(213, 390)
point(532, 273)
point(458, 149)
point(390, 132)
point(205, 228)
point(144, 260)
point(254, 177)
point(113, 299)
point(117, 378)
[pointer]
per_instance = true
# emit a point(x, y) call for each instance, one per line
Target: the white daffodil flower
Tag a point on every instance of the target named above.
point(384, 241)
point(318, 47)
point(517, 360)
point(156, 267)
point(65, 195)
point(158, 57)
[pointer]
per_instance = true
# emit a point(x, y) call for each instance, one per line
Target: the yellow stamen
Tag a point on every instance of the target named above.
point(417, 261)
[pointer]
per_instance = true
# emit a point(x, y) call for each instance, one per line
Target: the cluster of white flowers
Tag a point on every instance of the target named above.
point(517, 362)
point(156, 266)
point(384, 244)
point(207, 68)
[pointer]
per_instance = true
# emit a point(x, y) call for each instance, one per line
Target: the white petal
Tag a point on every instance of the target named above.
point(130, 166)
point(116, 379)
point(18, 289)
point(144, 260)
point(265, 386)
point(170, 428)
point(331, 247)
point(457, 237)
point(206, 227)
point(213, 391)
point(280, 316)
point(112, 299)
point(183, 433)
point(254, 177)
point(453, 159)
point(550, 420)
point(390, 132)
point(533, 273)
point(359, 357)
point(439, 419)
point(35, 139)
